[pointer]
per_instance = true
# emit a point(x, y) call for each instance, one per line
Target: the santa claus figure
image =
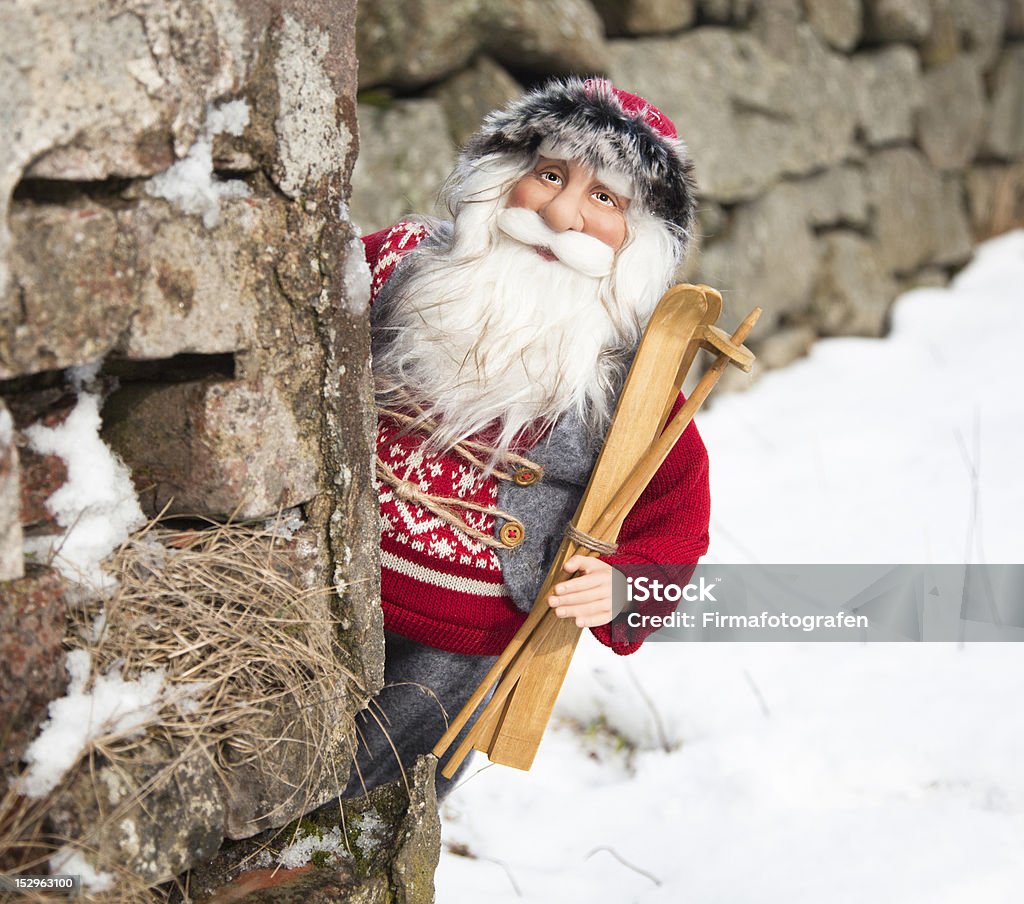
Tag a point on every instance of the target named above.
point(501, 342)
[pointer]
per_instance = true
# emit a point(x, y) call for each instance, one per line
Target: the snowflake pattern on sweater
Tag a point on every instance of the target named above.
point(437, 582)
point(407, 527)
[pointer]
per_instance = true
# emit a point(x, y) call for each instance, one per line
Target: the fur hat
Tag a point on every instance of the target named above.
point(603, 127)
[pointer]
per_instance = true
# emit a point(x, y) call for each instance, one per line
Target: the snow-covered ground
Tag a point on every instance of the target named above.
point(804, 772)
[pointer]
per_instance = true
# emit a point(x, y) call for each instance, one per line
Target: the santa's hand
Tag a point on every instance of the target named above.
point(587, 596)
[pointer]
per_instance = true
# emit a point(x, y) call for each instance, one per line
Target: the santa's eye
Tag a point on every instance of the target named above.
point(550, 176)
point(602, 197)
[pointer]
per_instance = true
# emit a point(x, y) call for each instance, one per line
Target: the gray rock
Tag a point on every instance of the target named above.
point(852, 293)
point(786, 346)
point(1015, 18)
point(219, 447)
point(919, 218)
point(546, 37)
point(418, 840)
point(392, 847)
point(57, 316)
point(994, 199)
point(725, 12)
point(646, 17)
point(255, 798)
point(473, 93)
point(94, 269)
point(406, 45)
point(131, 816)
point(312, 140)
point(307, 884)
point(11, 563)
point(774, 23)
point(768, 258)
point(982, 185)
point(405, 155)
point(952, 119)
point(746, 115)
point(889, 94)
point(836, 197)
point(926, 278)
point(715, 12)
point(712, 220)
point(887, 21)
point(837, 22)
point(92, 94)
point(32, 625)
point(953, 236)
point(194, 288)
point(974, 28)
point(1004, 137)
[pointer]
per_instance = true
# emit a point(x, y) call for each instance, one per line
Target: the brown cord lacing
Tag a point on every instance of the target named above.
point(581, 538)
point(442, 506)
point(462, 449)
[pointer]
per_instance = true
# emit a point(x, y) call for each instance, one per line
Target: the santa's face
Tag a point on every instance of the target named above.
point(569, 196)
point(528, 308)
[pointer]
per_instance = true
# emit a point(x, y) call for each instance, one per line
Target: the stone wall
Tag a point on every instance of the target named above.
point(845, 149)
point(175, 242)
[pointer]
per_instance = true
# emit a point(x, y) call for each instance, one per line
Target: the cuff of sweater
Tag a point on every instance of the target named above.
point(618, 634)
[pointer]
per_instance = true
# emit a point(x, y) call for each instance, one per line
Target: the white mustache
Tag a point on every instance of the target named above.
point(581, 252)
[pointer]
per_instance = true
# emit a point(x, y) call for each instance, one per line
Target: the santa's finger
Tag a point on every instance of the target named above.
point(584, 582)
point(584, 565)
point(582, 598)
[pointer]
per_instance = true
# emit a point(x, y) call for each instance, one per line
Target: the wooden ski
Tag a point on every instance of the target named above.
point(663, 359)
point(535, 662)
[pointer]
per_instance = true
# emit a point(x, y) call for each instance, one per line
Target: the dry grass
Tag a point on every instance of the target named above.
point(254, 658)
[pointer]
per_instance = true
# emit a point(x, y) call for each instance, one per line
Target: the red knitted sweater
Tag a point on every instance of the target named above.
point(441, 588)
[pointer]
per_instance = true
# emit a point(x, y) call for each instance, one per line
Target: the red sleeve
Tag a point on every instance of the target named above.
point(668, 524)
point(386, 248)
point(372, 244)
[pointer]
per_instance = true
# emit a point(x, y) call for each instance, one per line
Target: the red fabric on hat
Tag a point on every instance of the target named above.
point(637, 106)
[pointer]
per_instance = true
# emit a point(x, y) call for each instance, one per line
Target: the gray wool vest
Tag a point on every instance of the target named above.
point(546, 507)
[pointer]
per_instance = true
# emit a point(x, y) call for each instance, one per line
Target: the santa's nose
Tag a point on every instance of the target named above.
point(564, 211)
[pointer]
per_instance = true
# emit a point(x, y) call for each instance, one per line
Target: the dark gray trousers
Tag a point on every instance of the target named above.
point(424, 688)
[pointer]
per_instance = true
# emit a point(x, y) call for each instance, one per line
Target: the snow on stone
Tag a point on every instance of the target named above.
point(802, 773)
point(6, 427)
point(69, 861)
point(97, 506)
point(190, 184)
point(372, 833)
point(302, 849)
point(112, 706)
point(285, 525)
point(357, 277)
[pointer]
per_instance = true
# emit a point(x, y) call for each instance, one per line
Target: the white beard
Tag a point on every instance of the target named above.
point(487, 332)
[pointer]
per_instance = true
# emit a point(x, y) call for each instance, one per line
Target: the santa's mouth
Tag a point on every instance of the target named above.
point(545, 253)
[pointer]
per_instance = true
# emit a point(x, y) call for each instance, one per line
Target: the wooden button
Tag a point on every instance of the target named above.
point(524, 477)
point(511, 534)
